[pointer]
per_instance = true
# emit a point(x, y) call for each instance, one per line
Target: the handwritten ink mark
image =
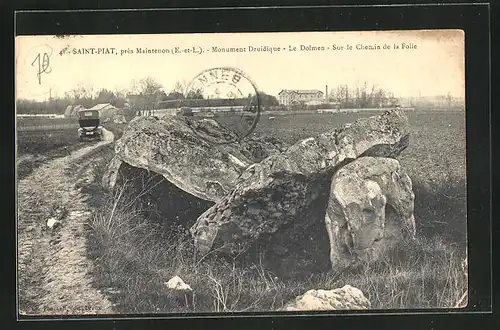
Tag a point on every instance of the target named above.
point(64, 50)
point(43, 65)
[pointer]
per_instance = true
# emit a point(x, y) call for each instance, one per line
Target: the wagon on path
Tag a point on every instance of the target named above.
point(90, 125)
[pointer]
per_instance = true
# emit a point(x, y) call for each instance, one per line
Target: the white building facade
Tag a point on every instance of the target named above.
point(289, 97)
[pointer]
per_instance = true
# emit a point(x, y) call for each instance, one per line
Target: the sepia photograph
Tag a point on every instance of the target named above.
point(240, 172)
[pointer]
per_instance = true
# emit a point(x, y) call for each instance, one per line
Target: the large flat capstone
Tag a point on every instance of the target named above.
point(198, 156)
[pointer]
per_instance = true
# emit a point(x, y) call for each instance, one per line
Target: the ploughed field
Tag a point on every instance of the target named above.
point(41, 135)
point(30, 123)
point(41, 139)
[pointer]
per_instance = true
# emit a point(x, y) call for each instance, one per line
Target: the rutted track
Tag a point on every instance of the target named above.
point(53, 270)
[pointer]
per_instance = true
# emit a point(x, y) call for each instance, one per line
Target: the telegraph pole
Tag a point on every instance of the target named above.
point(50, 93)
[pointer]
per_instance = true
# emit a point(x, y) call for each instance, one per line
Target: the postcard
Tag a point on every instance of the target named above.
point(240, 172)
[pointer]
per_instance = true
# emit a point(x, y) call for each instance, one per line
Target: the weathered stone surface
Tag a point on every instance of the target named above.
point(195, 155)
point(370, 209)
point(111, 175)
point(463, 301)
point(345, 298)
point(119, 118)
point(278, 192)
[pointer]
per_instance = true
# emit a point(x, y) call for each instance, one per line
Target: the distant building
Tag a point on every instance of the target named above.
point(107, 111)
point(288, 97)
point(103, 106)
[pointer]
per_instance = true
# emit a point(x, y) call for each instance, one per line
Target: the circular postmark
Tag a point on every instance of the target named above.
point(228, 96)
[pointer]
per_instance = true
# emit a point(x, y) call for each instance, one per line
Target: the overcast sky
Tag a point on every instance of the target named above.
point(435, 67)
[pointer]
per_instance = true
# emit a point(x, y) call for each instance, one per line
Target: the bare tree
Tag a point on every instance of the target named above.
point(371, 99)
point(152, 91)
point(79, 92)
point(134, 87)
point(179, 87)
point(196, 93)
point(150, 88)
point(357, 97)
point(449, 98)
point(379, 98)
point(332, 95)
point(364, 96)
point(391, 99)
point(342, 94)
point(178, 91)
point(81, 95)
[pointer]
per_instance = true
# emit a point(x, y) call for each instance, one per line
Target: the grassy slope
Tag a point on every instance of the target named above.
point(135, 257)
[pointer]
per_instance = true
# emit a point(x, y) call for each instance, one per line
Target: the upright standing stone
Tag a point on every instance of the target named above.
point(370, 209)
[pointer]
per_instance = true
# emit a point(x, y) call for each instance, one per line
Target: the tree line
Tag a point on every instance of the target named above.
point(148, 94)
point(362, 96)
point(143, 94)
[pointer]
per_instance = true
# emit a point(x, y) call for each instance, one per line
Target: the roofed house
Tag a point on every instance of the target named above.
point(293, 96)
point(102, 106)
point(107, 110)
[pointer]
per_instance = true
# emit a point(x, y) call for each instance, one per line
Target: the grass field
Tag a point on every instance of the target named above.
point(135, 257)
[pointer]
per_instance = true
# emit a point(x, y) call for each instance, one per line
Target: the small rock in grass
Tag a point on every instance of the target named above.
point(345, 298)
point(53, 223)
point(176, 283)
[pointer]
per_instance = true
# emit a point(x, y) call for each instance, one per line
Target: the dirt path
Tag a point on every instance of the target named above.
point(53, 269)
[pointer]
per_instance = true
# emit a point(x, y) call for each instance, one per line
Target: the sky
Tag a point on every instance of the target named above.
point(432, 65)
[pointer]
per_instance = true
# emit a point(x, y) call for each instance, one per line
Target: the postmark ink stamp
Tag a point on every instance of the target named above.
point(228, 94)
